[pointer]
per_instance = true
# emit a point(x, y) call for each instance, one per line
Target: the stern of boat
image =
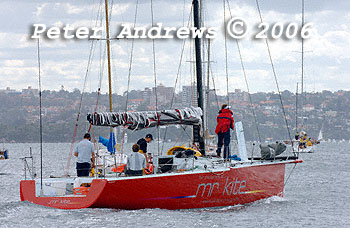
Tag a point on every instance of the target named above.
point(29, 192)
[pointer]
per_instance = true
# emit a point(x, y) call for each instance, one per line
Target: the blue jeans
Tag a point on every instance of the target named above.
point(224, 139)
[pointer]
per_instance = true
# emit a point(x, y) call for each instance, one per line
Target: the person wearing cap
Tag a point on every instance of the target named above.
point(224, 123)
point(85, 153)
point(143, 145)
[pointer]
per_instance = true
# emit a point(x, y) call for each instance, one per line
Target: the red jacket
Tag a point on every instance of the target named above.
point(225, 121)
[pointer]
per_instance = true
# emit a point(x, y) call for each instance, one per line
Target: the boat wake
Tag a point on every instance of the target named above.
point(225, 209)
point(272, 199)
point(240, 207)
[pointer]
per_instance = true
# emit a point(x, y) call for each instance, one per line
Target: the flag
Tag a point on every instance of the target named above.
point(102, 140)
point(111, 143)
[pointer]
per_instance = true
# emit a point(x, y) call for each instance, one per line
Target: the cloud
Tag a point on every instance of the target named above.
point(40, 9)
point(71, 9)
point(14, 63)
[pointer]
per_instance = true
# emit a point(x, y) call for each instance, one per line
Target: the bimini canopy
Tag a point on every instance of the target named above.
point(147, 119)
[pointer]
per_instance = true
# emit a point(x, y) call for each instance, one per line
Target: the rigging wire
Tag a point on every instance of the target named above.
point(177, 76)
point(213, 79)
point(79, 110)
point(123, 134)
point(210, 73)
point(178, 139)
point(92, 46)
point(101, 66)
point(180, 63)
point(275, 77)
point(131, 59)
point(216, 96)
point(102, 62)
point(226, 57)
point(252, 109)
point(285, 183)
point(114, 71)
point(207, 47)
point(102, 58)
point(155, 74)
point(129, 76)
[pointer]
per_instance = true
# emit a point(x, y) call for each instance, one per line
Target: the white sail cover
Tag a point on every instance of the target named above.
point(241, 141)
point(147, 119)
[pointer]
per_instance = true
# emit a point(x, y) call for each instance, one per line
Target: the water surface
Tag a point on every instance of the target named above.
point(316, 195)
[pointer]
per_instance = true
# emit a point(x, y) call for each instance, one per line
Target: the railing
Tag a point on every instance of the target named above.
point(28, 169)
point(100, 168)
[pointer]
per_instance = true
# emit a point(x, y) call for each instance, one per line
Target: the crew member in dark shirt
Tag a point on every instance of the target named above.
point(143, 145)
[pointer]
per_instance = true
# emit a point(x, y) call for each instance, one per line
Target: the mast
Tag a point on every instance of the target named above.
point(302, 66)
point(41, 125)
point(109, 59)
point(109, 77)
point(207, 90)
point(196, 130)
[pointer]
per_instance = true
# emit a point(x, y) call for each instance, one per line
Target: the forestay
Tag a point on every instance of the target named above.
point(147, 119)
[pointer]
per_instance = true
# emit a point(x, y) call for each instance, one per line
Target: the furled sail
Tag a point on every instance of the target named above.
point(147, 119)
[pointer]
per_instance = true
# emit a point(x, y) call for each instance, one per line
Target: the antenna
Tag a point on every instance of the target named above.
point(296, 109)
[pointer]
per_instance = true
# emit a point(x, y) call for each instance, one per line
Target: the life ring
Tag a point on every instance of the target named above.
point(182, 148)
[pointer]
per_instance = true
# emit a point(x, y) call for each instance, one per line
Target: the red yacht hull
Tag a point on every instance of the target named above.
point(175, 191)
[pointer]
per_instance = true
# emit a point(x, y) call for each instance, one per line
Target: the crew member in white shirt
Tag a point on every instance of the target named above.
point(85, 153)
point(136, 162)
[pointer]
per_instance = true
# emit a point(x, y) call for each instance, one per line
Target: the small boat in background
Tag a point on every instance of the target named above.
point(4, 154)
point(320, 137)
point(309, 149)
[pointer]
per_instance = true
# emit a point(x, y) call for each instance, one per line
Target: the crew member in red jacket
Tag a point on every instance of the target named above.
point(225, 122)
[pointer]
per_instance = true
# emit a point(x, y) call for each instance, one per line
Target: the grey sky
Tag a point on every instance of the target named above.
point(65, 62)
